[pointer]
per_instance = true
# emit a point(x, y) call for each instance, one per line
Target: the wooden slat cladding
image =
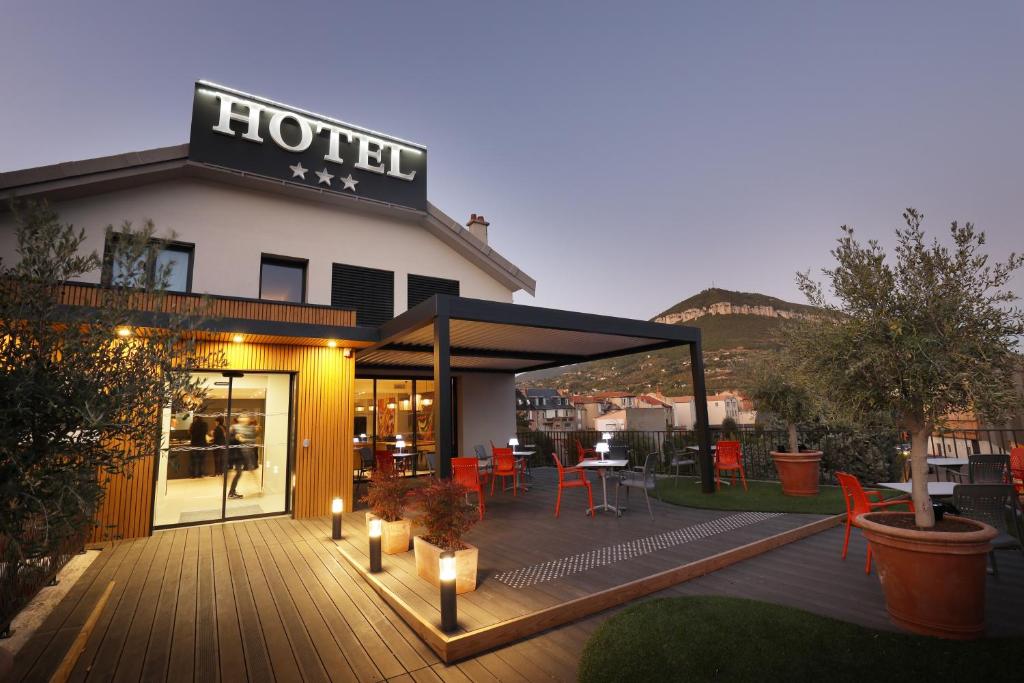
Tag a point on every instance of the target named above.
point(219, 307)
point(322, 410)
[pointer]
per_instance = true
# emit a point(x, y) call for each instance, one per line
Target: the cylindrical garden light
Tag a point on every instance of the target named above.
point(337, 505)
point(374, 533)
point(449, 610)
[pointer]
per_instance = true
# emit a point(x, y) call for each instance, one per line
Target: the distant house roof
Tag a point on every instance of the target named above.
point(613, 394)
point(723, 396)
point(651, 401)
point(680, 399)
point(614, 415)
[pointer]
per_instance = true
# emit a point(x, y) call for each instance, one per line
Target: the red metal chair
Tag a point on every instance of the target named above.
point(570, 478)
point(385, 461)
point(505, 466)
point(466, 471)
point(729, 458)
point(858, 501)
point(583, 453)
point(1017, 469)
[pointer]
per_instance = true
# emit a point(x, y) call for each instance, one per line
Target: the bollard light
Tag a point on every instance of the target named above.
point(374, 533)
point(337, 506)
point(449, 609)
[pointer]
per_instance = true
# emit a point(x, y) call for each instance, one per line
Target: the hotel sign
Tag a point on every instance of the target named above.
point(246, 133)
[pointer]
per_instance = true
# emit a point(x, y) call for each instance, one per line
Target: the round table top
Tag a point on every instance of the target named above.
point(594, 462)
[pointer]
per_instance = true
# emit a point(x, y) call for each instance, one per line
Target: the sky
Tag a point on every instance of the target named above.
point(626, 154)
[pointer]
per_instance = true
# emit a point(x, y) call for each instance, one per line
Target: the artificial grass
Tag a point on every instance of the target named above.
point(763, 496)
point(707, 638)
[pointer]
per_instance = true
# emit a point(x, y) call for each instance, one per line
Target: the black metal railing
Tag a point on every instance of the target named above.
point(872, 455)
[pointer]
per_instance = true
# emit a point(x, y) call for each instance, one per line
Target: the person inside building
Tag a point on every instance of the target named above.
point(197, 440)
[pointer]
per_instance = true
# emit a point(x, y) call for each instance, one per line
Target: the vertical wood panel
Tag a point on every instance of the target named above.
point(322, 412)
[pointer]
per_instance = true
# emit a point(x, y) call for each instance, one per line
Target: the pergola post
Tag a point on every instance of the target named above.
point(700, 398)
point(443, 389)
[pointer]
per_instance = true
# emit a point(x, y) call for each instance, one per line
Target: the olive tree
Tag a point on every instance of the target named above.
point(778, 389)
point(82, 386)
point(918, 334)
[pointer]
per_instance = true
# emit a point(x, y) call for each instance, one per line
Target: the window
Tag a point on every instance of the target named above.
point(367, 291)
point(422, 287)
point(283, 279)
point(171, 261)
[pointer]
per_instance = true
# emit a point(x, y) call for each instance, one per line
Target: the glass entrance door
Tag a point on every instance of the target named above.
point(228, 458)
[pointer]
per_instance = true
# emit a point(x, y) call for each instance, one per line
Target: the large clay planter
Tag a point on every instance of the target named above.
point(394, 536)
point(428, 564)
point(934, 581)
point(798, 472)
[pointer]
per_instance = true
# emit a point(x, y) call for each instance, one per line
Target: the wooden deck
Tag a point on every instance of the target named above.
point(273, 599)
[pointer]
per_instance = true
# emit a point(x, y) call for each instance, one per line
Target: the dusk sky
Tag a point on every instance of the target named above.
point(626, 154)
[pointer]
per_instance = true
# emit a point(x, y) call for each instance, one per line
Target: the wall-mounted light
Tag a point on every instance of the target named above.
point(347, 352)
point(331, 344)
point(447, 575)
point(337, 506)
point(238, 339)
point(373, 533)
point(124, 332)
point(360, 409)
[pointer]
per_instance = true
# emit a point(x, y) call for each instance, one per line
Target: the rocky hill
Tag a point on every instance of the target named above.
point(738, 330)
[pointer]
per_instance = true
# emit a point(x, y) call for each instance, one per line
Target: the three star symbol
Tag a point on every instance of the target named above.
point(324, 178)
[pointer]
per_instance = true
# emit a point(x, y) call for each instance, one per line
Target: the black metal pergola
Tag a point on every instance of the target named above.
point(446, 333)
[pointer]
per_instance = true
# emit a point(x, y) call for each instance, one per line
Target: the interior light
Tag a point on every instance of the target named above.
point(427, 401)
point(124, 332)
point(391, 405)
point(238, 339)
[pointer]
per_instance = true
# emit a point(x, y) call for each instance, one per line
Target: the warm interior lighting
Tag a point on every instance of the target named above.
point(391, 405)
point(447, 571)
point(331, 344)
point(427, 401)
point(355, 439)
point(363, 437)
point(405, 404)
point(124, 332)
point(238, 339)
point(360, 409)
point(337, 505)
point(374, 528)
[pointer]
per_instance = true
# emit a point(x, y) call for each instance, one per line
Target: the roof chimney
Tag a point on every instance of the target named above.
point(478, 227)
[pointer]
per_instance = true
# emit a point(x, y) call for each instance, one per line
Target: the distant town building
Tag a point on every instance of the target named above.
point(648, 419)
point(547, 410)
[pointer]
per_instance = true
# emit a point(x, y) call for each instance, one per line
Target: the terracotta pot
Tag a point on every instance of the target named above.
point(428, 558)
point(934, 581)
point(798, 472)
point(394, 536)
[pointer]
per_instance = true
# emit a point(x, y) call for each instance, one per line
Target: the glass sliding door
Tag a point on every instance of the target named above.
point(389, 408)
point(229, 457)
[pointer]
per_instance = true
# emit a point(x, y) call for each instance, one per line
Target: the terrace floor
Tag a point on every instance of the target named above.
point(273, 599)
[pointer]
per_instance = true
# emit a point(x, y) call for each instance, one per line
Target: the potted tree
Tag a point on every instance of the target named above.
point(779, 390)
point(446, 516)
point(386, 496)
point(925, 335)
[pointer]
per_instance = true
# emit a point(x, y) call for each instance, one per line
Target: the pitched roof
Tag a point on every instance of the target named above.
point(103, 174)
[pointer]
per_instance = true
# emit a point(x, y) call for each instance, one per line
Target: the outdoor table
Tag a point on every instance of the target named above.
point(936, 489)
point(603, 464)
point(402, 456)
point(521, 457)
point(947, 463)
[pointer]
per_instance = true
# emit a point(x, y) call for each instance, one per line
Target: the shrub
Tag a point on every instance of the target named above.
point(386, 495)
point(445, 513)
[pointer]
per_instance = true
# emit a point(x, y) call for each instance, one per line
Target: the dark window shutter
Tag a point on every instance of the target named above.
point(367, 291)
point(422, 287)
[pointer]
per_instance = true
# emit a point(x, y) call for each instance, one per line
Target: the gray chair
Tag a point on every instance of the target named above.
point(432, 463)
point(639, 480)
point(677, 460)
point(988, 469)
point(995, 505)
point(484, 460)
point(365, 465)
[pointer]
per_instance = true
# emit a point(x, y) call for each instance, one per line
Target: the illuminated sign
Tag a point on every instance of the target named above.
point(254, 135)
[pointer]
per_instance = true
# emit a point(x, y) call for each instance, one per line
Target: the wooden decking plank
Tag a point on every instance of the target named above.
point(158, 649)
point(230, 654)
point(128, 661)
point(310, 666)
point(425, 675)
point(181, 664)
point(207, 661)
point(254, 646)
point(279, 649)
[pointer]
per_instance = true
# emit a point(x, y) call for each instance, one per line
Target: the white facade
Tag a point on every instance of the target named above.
point(233, 227)
point(684, 414)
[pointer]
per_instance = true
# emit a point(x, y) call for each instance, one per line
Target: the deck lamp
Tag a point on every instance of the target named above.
point(513, 443)
point(399, 443)
point(337, 505)
point(362, 436)
point(374, 533)
point(606, 436)
point(602, 449)
point(449, 609)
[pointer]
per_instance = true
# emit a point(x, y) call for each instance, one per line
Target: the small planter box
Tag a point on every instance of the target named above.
point(394, 537)
point(428, 557)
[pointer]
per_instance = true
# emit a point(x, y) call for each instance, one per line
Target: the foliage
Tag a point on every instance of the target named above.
point(386, 494)
point(779, 389)
point(80, 402)
point(730, 430)
point(445, 513)
point(681, 639)
point(926, 334)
